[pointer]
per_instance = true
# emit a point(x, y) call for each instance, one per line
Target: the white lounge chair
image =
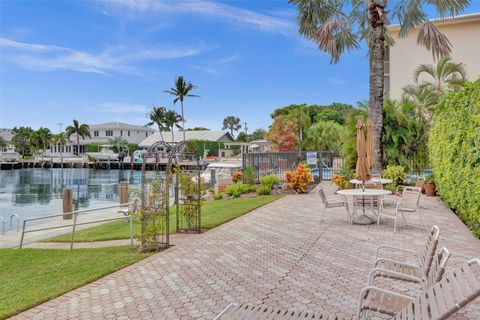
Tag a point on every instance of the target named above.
point(407, 203)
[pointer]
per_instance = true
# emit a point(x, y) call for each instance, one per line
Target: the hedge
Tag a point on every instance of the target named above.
point(212, 147)
point(455, 153)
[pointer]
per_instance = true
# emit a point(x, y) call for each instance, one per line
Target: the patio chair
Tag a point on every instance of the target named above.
point(424, 261)
point(376, 176)
point(130, 209)
point(407, 203)
point(334, 202)
point(440, 301)
point(392, 269)
point(457, 288)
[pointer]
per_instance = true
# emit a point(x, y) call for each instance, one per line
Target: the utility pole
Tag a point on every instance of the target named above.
point(60, 125)
point(246, 131)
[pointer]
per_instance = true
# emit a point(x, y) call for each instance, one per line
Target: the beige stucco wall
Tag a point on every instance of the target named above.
point(406, 55)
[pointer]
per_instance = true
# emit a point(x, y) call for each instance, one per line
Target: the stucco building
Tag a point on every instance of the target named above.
point(102, 133)
point(406, 55)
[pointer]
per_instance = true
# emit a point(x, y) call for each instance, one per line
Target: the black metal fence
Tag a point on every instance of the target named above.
point(322, 163)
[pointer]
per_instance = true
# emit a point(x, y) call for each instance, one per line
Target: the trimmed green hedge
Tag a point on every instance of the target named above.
point(455, 153)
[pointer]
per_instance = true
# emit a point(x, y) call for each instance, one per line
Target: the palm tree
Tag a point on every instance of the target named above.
point(181, 91)
point(118, 143)
point(157, 116)
point(80, 130)
point(40, 139)
point(338, 27)
point(231, 123)
point(172, 119)
point(60, 139)
point(423, 98)
point(302, 120)
point(445, 76)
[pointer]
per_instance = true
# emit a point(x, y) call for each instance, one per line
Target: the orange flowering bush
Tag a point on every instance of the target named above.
point(237, 176)
point(340, 181)
point(299, 179)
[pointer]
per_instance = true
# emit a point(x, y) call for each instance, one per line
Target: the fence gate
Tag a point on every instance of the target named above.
point(321, 163)
point(188, 191)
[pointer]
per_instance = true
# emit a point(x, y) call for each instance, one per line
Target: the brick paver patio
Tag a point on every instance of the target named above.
point(280, 255)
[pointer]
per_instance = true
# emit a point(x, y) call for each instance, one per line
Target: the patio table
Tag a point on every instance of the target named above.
point(381, 180)
point(364, 219)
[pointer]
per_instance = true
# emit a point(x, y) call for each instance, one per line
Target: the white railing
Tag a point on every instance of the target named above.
point(74, 225)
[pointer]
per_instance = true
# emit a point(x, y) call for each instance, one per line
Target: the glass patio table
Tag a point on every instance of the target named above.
point(381, 180)
point(364, 218)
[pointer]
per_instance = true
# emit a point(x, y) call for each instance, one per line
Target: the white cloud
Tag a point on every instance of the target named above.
point(231, 14)
point(216, 67)
point(111, 60)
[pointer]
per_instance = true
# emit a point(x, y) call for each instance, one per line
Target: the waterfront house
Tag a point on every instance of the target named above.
point(206, 135)
point(406, 55)
point(102, 133)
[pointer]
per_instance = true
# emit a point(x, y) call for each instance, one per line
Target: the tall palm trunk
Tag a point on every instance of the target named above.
point(172, 134)
point(300, 136)
point(183, 120)
point(376, 17)
point(161, 134)
point(78, 145)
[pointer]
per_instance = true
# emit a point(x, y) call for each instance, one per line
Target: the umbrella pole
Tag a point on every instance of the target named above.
point(363, 197)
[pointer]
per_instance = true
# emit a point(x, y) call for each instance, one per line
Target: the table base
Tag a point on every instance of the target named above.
point(363, 219)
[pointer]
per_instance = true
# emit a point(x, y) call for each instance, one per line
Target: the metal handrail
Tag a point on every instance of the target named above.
point(3, 224)
point(18, 222)
point(75, 224)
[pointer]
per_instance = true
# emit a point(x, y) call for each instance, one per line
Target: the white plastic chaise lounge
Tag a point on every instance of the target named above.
point(421, 268)
point(457, 288)
point(334, 202)
point(408, 273)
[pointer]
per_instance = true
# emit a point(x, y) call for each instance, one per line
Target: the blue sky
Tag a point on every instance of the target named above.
point(99, 61)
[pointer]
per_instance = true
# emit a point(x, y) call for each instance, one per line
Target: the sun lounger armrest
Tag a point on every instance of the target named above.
point(219, 316)
point(389, 274)
point(375, 264)
point(386, 246)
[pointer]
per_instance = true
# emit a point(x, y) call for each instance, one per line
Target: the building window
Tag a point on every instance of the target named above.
point(129, 133)
point(109, 133)
point(95, 133)
point(121, 133)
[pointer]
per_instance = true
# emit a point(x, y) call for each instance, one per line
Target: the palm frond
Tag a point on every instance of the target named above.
point(424, 68)
point(449, 7)
point(409, 14)
point(434, 40)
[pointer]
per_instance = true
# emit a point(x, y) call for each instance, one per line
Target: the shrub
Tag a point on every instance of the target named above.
point(396, 173)
point(270, 180)
point(218, 196)
point(264, 190)
point(250, 176)
point(299, 179)
point(340, 181)
point(237, 176)
point(454, 148)
point(237, 189)
point(429, 178)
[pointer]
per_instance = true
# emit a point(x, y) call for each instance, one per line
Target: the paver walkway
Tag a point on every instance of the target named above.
point(279, 255)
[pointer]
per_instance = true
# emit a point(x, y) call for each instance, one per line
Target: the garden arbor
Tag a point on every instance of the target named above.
point(178, 189)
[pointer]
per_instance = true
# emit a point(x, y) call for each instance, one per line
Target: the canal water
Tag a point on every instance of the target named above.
point(36, 192)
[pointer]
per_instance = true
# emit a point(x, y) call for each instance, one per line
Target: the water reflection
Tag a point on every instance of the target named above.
point(32, 192)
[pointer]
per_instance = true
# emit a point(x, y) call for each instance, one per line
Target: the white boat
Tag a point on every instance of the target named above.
point(223, 170)
point(9, 155)
point(105, 154)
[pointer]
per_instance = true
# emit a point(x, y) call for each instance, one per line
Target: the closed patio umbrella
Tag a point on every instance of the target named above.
point(362, 170)
point(370, 160)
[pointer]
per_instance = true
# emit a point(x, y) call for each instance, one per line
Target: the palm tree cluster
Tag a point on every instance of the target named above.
point(339, 26)
point(166, 120)
point(231, 123)
point(79, 130)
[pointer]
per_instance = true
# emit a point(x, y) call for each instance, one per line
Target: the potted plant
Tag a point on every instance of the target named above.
point(429, 186)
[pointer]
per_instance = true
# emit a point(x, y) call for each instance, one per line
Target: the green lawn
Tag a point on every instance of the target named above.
point(32, 276)
point(214, 213)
